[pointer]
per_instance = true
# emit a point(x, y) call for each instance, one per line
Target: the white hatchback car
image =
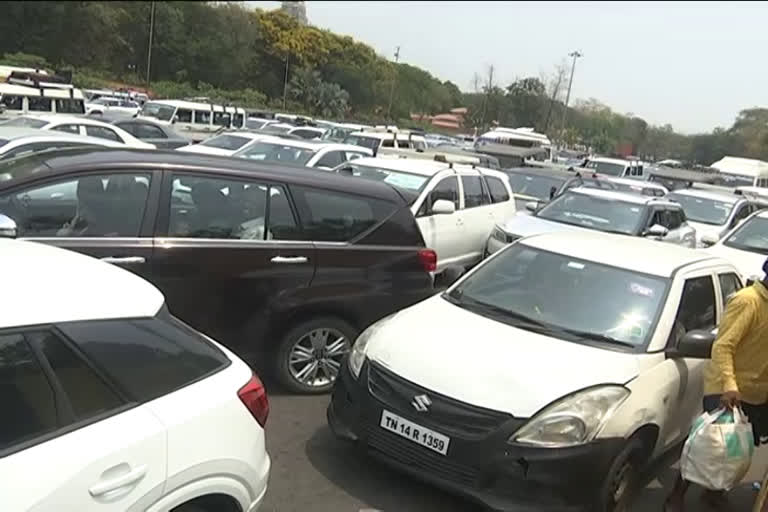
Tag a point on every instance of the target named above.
point(546, 377)
point(110, 403)
point(80, 126)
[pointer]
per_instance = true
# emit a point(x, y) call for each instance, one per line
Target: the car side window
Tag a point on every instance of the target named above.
point(183, 116)
point(87, 393)
point(447, 189)
point(68, 128)
point(497, 189)
point(742, 213)
point(697, 307)
point(729, 284)
point(107, 205)
point(29, 405)
point(387, 143)
point(331, 159)
point(474, 192)
point(129, 127)
point(40, 104)
point(102, 133)
point(202, 117)
point(672, 218)
point(147, 131)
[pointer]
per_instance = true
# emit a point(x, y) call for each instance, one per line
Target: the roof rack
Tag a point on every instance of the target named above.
point(40, 81)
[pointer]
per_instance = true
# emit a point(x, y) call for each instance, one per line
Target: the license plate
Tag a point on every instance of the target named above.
point(420, 435)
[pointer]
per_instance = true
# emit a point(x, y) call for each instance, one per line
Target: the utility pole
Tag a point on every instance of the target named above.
point(394, 80)
point(151, 32)
point(486, 99)
point(285, 81)
point(575, 55)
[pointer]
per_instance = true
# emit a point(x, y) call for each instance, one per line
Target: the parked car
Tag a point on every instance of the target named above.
point(160, 135)
point(106, 104)
point(98, 376)
point(712, 213)
point(284, 266)
point(16, 142)
point(617, 167)
point(746, 245)
point(647, 188)
point(540, 185)
point(545, 379)
point(603, 210)
point(308, 132)
point(376, 139)
point(224, 144)
point(456, 206)
point(318, 154)
point(79, 126)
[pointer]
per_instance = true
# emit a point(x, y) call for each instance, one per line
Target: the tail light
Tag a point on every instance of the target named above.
point(254, 396)
point(428, 259)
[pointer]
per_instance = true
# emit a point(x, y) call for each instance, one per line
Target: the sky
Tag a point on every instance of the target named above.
point(693, 65)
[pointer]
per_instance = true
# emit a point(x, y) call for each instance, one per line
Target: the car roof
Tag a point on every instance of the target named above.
point(411, 165)
point(50, 164)
point(15, 132)
point(59, 118)
point(714, 195)
point(618, 195)
point(610, 160)
point(243, 134)
point(53, 285)
point(388, 135)
point(636, 183)
point(316, 145)
point(631, 253)
point(549, 172)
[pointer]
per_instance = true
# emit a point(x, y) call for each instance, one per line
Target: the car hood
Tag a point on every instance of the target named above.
point(748, 263)
point(205, 150)
point(524, 225)
point(487, 363)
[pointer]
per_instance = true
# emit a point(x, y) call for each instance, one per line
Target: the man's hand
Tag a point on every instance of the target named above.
point(730, 399)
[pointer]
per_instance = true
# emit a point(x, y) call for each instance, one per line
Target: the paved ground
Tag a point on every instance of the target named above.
point(312, 472)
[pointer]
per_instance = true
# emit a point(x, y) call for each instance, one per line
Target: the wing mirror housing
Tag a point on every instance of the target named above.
point(709, 240)
point(8, 228)
point(693, 345)
point(531, 206)
point(657, 230)
point(443, 207)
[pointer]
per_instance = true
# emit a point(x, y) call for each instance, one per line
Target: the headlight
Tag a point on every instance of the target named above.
point(573, 420)
point(357, 356)
point(502, 236)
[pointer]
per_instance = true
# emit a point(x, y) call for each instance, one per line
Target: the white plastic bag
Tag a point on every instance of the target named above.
point(718, 454)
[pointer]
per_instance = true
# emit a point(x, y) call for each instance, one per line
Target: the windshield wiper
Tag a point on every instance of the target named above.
point(470, 303)
point(597, 337)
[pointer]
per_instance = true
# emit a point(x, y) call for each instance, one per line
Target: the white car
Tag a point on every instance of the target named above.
point(646, 188)
point(308, 132)
point(317, 154)
point(15, 142)
point(224, 144)
point(118, 105)
point(376, 139)
point(80, 126)
point(456, 206)
point(110, 403)
point(547, 377)
point(746, 246)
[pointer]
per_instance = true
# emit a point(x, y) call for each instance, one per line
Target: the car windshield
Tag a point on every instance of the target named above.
point(366, 142)
point(26, 122)
point(594, 212)
point(255, 124)
point(544, 292)
point(273, 128)
point(701, 209)
point(404, 180)
point(275, 152)
point(735, 180)
point(534, 185)
point(158, 111)
point(607, 168)
point(229, 142)
point(751, 236)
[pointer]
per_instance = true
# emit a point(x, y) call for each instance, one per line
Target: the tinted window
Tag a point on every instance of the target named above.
point(129, 127)
point(697, 306)
point(498, 191)
point(11, 102)
point(238, 120)
point(330, 160)
point(68, 128)
point(102, 133)
point(226, 141)
point(87, 393)
point(473, 191)
point(89, 206)
point(221, 118)
point(147, 357)
point(27, 399)
point(277, 152)
point(729, 284)
point(203, 116)
point(37, 104)
point(447, 188)
point(336, 217)
point(306, 134)
point(182, 115)
point(534, 185)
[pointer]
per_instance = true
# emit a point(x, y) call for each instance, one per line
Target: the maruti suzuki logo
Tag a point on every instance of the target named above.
point(421, 403)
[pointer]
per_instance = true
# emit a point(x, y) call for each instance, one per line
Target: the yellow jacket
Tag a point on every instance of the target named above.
point(740, 352)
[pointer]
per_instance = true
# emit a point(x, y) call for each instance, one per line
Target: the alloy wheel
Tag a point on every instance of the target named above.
point(315, 359)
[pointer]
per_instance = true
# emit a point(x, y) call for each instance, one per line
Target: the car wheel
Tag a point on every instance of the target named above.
point(310, 355)
point(620, 483)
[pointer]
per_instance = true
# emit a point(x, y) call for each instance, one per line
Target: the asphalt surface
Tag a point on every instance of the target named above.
point(313, 472)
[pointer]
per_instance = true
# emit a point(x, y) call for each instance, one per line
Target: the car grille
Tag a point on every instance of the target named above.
point(444, 415)
point(418, 458)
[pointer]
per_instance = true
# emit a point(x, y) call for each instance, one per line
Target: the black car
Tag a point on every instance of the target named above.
point(162, 136)
point(272, 260)
point(541, 184)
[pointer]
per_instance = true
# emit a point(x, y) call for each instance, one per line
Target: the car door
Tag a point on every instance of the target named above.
point(477, 215)
point(109, 454)
point(107, 214)
point(503, 204)
point(226, 249)
point(442, 232)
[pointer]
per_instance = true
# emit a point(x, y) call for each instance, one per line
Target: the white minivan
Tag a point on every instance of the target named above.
point(547, 377)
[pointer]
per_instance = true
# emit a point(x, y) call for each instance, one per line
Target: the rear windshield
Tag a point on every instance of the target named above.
point(534, 185)
point(402, 180)
point(230, 142)
point(27, 122)
point(275, 152)
point(148, 357)
point(371, 143)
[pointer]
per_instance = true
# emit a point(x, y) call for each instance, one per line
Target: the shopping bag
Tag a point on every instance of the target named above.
point(719, 450)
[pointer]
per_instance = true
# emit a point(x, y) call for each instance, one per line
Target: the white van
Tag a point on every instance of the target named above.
point(194, 120)
point(20, 100)
point(617, 167)
point(376, 139)
point(518, 137)
point(742, 172)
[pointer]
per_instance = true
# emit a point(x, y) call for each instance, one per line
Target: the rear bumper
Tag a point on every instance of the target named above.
point(488, 470)
point(261, 486)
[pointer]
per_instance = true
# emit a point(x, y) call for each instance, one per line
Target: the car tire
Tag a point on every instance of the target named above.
point(621, 481)
point(321, 336)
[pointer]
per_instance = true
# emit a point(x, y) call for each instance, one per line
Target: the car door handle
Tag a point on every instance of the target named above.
point(126, 480)
point(289, 259)
point(125, 260)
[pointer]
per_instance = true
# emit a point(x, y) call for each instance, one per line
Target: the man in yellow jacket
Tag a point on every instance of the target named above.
point(738, 373)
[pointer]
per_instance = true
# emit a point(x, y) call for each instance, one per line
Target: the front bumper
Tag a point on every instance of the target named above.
point(484, 468)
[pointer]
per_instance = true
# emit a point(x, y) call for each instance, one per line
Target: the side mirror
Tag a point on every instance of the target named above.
point(8, 227)
point(443, 207)
point(709, 240)
point(657, 230)
point(694, 345)
point(552, 192)
point(531, 206)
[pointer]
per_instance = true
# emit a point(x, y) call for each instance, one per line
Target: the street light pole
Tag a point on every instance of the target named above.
point(151, 31)
point(575, 55)
point(285, 81)
point(394, 79)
